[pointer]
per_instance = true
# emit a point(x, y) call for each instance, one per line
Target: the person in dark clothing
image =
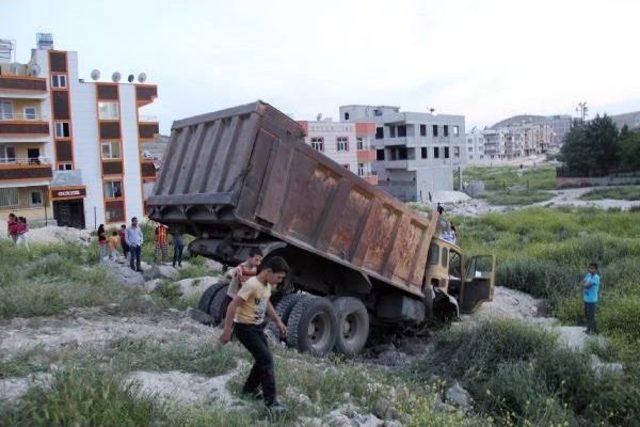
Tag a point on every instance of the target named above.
point(246, 316)
point(123, 241)
point(178, 246)
point(102, 243)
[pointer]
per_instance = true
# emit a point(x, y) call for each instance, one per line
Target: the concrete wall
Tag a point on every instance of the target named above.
point(131, 152)
point(329, 131)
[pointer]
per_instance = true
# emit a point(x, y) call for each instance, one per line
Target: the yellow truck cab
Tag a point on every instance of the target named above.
point(459, 281)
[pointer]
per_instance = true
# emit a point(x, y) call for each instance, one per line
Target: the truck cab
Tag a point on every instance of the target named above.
point(454, 276)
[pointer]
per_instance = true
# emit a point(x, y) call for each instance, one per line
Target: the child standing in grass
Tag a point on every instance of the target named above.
point(591, 285)
point(112, 243)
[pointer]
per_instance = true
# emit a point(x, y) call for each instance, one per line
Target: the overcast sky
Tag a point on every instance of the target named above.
point(484, 59)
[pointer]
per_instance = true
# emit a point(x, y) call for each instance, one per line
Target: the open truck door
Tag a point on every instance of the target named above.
point(479, 282)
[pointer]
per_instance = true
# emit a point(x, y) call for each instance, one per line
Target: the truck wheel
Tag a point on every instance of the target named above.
point(283, 308)
point(207, 296)
point(312, 326)
point(353, 325)
point(219, 305)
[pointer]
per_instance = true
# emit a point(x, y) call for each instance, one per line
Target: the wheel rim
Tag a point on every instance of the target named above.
point(350, 326)
point(318, 331)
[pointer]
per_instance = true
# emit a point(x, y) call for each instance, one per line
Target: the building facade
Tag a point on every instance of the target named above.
point(70, 150)
point(559, 124)
point(416, 153)
point(348, 144)
point(474, 147)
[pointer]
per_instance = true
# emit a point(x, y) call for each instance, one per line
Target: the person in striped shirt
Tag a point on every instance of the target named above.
point(162, 246)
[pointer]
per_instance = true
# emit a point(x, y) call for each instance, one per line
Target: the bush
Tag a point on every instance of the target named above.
point(542, 279)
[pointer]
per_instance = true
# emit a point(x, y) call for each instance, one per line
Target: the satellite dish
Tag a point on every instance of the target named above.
point(130, 78)
point(142, 77)
point(116, 77)
point(95, 74)
point(34, 70)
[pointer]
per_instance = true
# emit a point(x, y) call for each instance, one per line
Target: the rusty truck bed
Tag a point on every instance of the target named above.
point(251, 161)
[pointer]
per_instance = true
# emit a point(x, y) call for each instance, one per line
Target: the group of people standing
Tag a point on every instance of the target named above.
point(131, 239)
point(18, 229)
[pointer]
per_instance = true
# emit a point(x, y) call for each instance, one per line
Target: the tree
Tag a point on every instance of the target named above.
point(592, 149)
point(630, 150)
point(602, 135)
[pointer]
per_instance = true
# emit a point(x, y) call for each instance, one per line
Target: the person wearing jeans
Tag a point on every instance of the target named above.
point(591, 285)
point(134, 239)
point(246, 315)
point(178, 246)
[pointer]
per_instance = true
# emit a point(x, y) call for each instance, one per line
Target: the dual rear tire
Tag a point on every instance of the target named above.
point(318, 325)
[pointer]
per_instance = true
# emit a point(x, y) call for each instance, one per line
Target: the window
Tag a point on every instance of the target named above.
point(36, 198)
point(317, 144)
point(7, 154)
point(8, 197)
point(392, 131)
point(380, 154)
point(402, 131)
point(456, 130)
point(423, 152)
point(471, 149)
point(379, 132)
point(471, 157)
point(110, 149)
point(445, 257)
point(108, 110)
point(360, 169)
point(470, 140)
point(29, 113)
point(342, 143)
point(456, 152)
point(360, 143)
point(445, 130)
point(423, 130)
point(65, 166)
point(114, 212)
point(6, 110)
point(62, 129)
point(346, 116)
point(377, 112)
point(434, 252)
point(434, 130)
point(59, 81)
point(112, 189)
point(446, 152)
point(436, 152)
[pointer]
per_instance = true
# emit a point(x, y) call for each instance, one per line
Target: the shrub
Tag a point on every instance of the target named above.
point(542, 279)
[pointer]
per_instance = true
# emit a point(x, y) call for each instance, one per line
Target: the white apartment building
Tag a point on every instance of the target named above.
point(416, 153)
point(70, 149)
point(348, 144)
point(474, 148)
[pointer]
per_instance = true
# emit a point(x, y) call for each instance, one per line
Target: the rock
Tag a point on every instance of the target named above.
point(383, 408)
point(12, 389)
point(212, 265)
point(444, 407)
point(600, 368)
point(147, 303)
point(161, 272)
point(196, 286)
point(152, 285)
point(124, 275)
point(459, 396)
point(298, 397)
point(199, 316)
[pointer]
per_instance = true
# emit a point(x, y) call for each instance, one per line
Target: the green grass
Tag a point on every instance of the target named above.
point(631, 192)
point(520, 375)
point(511, 198)
point(52, 278)
point(503, 177)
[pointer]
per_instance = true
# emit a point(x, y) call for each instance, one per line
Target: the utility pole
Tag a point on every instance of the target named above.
point(582, 110)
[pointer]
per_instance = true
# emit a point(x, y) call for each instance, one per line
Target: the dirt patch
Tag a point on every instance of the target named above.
point(55, 234)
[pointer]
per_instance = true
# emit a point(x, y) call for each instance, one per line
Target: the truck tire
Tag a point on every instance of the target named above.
point(283, 308)
point(207, 296)
point(353, 325)
point(312, 326)
point(219, 305)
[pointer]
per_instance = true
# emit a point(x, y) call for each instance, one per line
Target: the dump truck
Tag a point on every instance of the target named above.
point(243, 177)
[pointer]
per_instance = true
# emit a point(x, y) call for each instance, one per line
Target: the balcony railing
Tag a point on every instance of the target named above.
point(21, 168)
point(6, 116)
point(22, 83)
point(147, 118)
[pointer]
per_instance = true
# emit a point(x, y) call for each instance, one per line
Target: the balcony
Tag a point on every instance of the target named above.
point(148, 169)
point(17, 86)
point(145, 94)
point(22, 168)
point(148, 128)
point(366, 156)
point(15, 124)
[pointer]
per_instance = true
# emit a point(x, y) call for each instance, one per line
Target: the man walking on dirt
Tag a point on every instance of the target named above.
point(134, 239)
point(591, 285)
point(246, 317)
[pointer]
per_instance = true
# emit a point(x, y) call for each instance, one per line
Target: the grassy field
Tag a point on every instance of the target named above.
point(503, 177)
point(520, 198)
point(630, 192)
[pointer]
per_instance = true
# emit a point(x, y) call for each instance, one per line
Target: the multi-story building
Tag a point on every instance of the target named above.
point(559, 124)
point(415, 152)
point(70, 149)
point(474, 148)
point(348, 144)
